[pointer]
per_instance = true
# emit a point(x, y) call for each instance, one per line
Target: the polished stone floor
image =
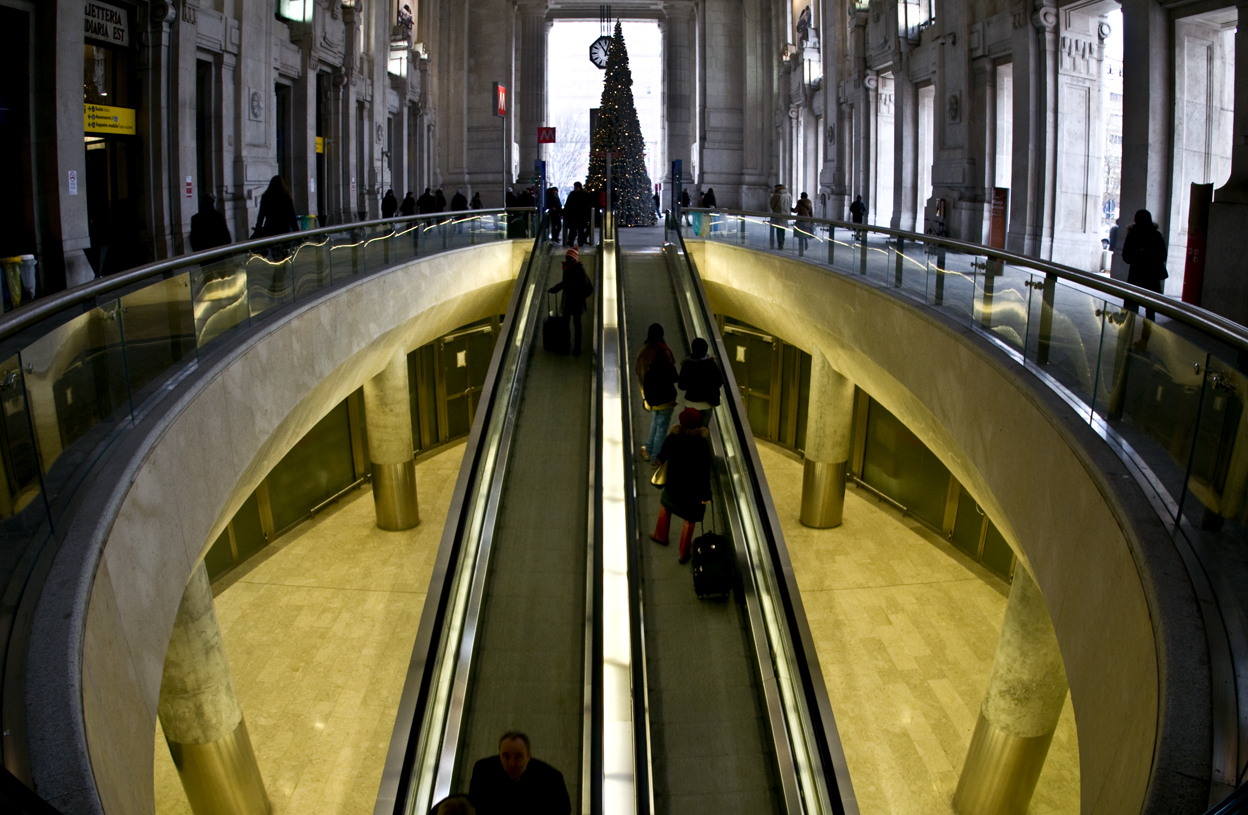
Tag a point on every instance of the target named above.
point(905, 626)
point(319, 630)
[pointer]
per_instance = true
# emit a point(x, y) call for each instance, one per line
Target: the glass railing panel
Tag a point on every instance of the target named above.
point(1065, 334)
point(219, 298)
point(346, 253)
point(158, 328)
point(1149, 392)
point(953, 280)
point(269, 277)
point(22, 505)
point(1215, 502)
point(1003, 302)
point(311, 270)
point(378, 248)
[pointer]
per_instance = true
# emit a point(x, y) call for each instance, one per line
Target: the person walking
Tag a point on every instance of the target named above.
point(708, 198)
point(1144, 249)
point(408, 207)
point(439, 201)
point(459, 202)
point(514, 782)
point(277, 211)
point(576, 288)
point(803, 229)
point(576, 216)
point(781, 204)
point(475, 203)
point(700, 380)
point(389, 204)
point(687, 490)
point(858, 214)
point(208, 226)
point(426, 204)
point(656, 373)
point(685, 204)
point(554, 211)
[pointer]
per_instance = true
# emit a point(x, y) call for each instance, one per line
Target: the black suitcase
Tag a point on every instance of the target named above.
point(555, 337)
point(713, 572)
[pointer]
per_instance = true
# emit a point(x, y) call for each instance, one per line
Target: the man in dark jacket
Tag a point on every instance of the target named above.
point(459, 202)
point(700, 381)
point(515, 783)
point(576, 290)
point(208, 227)
point(389, 204)
point(576, 215)
point(426, 204)
point(408, 207)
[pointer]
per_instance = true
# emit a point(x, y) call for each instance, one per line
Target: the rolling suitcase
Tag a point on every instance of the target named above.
point(555, 332)
point(712, 565)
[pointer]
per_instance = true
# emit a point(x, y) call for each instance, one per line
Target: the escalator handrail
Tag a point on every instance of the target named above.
point(396, 775)
point(1203, 320)
point(819, 708)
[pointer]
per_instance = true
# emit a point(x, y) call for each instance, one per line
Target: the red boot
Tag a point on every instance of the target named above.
point(686, 542)
point(661, 528)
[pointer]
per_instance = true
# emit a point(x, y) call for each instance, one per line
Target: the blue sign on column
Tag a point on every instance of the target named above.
point(676, 185)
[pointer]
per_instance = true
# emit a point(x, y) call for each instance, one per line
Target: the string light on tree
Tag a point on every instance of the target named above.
point(619, 132)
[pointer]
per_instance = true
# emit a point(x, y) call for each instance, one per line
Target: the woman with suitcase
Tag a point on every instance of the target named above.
point(687, 490)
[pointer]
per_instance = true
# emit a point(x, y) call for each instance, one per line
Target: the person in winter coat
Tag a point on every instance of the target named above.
point(576, 288)
point(426, 204)
point(700, 381)
point(656, 373)
point(687, 490)
point(1145, 250)
point(858, 214)
point(389, 204)
point(554, 211)
point(708, 198)
point(476, 201)
point(576, 216)
point(684, 204)
point(803, 229)
point(459, 202)
point(439, 201)
point(208, 226)
point(277, 211)
point(781, 205)
point(408, 207)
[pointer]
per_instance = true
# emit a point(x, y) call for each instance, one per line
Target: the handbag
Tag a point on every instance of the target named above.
point(659, 479)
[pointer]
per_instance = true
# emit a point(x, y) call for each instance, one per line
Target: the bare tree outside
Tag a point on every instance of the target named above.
point(567, 160)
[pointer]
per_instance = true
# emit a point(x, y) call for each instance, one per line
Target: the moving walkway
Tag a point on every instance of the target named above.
point(550, 610)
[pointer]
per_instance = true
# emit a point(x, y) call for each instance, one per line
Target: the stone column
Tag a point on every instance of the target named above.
point(1020, 710)
point(531, 95)
point(200, 716)
point(388, 412)
point(678, 46)
point(905, 147)
point(1033, 188)
point(1225, 288)
point(829, 440)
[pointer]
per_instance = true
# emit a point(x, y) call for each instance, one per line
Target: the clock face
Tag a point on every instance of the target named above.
point(598, 51)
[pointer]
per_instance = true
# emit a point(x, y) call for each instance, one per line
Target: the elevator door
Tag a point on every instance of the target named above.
point(461, 364)
point(756, 363)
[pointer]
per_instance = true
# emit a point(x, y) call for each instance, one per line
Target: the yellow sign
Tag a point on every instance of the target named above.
point(320, 144)
point(105, 119)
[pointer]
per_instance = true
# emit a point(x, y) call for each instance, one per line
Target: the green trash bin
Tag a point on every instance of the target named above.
point(307, 222)
point(13, 278)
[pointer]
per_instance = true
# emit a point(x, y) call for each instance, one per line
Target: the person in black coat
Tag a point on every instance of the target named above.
point(554, 211)
point(208, 227)
point(700, 381)
point(1145, 250)
point(687, 491)
point(475, 203)
point(408, 207)
point(458, 202)
point(277, 211)
point(576, 288)
point(576, 215)
point(389, 204)
point(426, 204)
point(708, 198)
point(439, 201)
point(515, 783)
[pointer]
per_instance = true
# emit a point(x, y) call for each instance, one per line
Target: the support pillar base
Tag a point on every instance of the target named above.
point(394, 495)
point(222, 777)
point(1001, 771)
point(823, 494)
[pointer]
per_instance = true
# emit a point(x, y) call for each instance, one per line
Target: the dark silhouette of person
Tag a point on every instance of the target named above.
point(858, 214)
point(515, 783)
point(700, 380)
point(576, 290)
point(687, 490)
point(1145, 250)
point(277, 211)
point(475, 203)
point(426, 203)
point(576, 215)
point(389, 204)
point(208, 227)
point(454, 805)
point(439, 201)
point(408, 207)
point(708, 198)
point(554, 211)
point(458, 202)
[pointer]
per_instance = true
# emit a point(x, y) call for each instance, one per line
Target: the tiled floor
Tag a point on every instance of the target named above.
point(319, 636)
point(906, 627)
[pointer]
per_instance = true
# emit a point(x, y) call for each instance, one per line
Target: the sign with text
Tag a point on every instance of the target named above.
point(545, 135)
point(107, 23)
point(500, 100)
point(105, 119)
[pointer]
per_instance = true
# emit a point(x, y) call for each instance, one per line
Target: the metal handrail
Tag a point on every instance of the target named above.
point(1220, 328)
point(24, 317)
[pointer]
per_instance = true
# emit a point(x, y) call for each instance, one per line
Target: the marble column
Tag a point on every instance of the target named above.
point(905, 147)
point(1019, 714)
point(388, 412)
point(531, 93)
point(678, 56)
point(1225, 288)
point(829, 441)
point(1033, 188)
point(200, 716)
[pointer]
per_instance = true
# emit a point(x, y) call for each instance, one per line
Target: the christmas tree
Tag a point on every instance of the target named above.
point(619, 133)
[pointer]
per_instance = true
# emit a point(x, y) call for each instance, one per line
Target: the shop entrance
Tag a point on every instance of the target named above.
point(112, 168)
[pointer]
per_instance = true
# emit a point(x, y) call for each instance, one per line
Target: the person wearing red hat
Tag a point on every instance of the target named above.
point(687, 491)
point(576, 288)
